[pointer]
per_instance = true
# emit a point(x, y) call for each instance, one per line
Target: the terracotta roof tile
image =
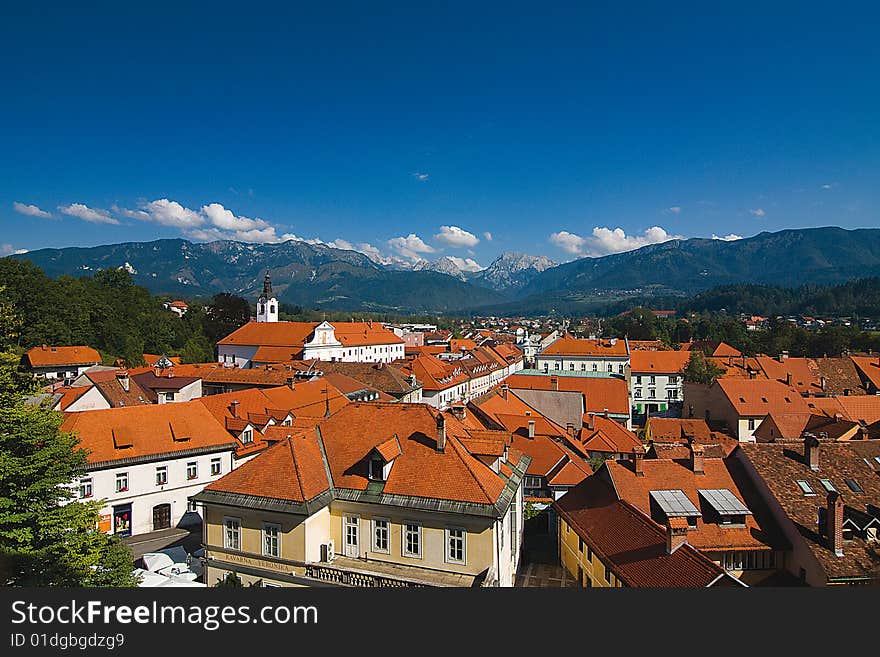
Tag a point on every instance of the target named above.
point(46, 356)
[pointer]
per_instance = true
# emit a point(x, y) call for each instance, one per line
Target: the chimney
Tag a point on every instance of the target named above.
point(605, 412)
point(569, 428)
point(531, 428)
point(122, 378)
point(824, 383)
point(788, 378)
point(745, 361)
point(504, 389)
point(753, 374)
point(697, 458)
point(638, 454)
point(554, 383)
point(811, 451)
point(590, 422)
point(233, 408)
point(291, 381)
point(459, 411)
point(783, 356)
point(441, 432)
point(676, 534)
point(834, 523)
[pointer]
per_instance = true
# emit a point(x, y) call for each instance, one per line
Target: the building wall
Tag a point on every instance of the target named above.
point(143, 494)
point(92, 400)
point(699, 398)
point(61, 371)
point(581, 364)
point(240, 355)
point(577, 559)
point(661, 387)
point(187, 393)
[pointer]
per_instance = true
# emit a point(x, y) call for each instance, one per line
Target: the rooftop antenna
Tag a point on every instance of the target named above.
point(326, 401)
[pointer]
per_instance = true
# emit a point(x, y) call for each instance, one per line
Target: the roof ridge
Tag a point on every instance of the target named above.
point(455, 441)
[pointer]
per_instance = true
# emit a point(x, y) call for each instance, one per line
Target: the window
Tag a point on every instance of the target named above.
point(589, 554)
point(854, 485)
point(751, 424)
point(639, 380)
point(583, 367)
point(673, 380)
point(169, 396)
point(827, 485)
point(610, 367)
point(533, 482)
point(271, 539)
point(216, 467)
point(232, 533)
point(620, 368)
point(412, 540)
point(455, 545)
point(161, 475)
point(192, 470)
point(85, 487)
point(580, 544)
point(638, 393)
point(805, 487)
point(653, 380)
point(247, 436)
point(121, 482)
point(595, 367)
point(670, 394)
point(377, 466)
point(652, 393)
point(380, 535)
point(571, 366)
point(192, 506)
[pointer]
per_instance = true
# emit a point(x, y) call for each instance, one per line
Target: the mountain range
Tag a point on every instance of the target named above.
point(320, 276)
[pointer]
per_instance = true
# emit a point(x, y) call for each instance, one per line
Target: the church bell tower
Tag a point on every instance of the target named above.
point(267, 304)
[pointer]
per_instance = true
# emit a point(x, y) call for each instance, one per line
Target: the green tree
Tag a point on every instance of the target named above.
point(197, 350)
point(227, 313)
point(700, 369)
point(47, 538)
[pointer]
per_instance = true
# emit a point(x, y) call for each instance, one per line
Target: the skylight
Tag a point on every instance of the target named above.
point(805, 487)
point(854, 486)
point(827, 485)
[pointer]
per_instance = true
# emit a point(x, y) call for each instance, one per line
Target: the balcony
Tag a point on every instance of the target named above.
point(346, 571)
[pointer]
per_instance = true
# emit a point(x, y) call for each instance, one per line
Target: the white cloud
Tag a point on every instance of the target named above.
point(466, 264)
point(30, 210)
point(488, 236)
point(84, 212)
point(421, 177)
point(829, 185)
point(169, 213)
point(675, 209)
point(8, 249)
point(410, 246)
point(758, 212)
point(727, 238)
point(224, 219)
point(604, 241)
point(456, 237)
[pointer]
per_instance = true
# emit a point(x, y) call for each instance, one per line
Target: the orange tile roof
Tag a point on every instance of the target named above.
point(420, 471)
point(870, 367)
point(756, 397)
point(802, 377)
point(292, 470)
point(630, 542)
point(273, 354)
point(271, 334)
point(568, 346)
point(143, 431)
point(860, 408)
point(570, 474)
point(457, 345)
point(607, 436)
point(433, 373)
point(45, 356)
point(69, 395)
point(152, 359)
point(667, 362)
point(665, 474)
point(600, 393)
point(358, 334)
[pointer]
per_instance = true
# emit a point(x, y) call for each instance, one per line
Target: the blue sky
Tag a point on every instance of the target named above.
point(436, 129)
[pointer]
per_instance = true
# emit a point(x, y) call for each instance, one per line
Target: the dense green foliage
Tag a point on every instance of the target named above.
point(108, 312)
point(701, 370)
point(47, 538)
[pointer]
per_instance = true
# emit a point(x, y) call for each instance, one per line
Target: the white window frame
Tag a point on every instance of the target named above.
point(264, 536)
point(195, 465)
point(162, 470)
point(218, 461)
point(83, 483)
point(374, 527)
point(404, 530)
point(247, 436)
point(192, 506)
point(226, 542)
point(447, 542)
point(119, 476)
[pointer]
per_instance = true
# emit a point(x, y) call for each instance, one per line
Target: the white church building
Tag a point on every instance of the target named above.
point(268, 340)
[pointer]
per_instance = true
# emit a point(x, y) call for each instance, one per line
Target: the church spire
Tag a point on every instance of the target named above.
point(267, 286)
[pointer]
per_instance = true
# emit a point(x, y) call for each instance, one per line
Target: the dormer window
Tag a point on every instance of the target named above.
point(377, 468)
point(247, 436)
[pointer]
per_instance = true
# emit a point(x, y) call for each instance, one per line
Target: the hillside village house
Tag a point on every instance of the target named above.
point(443, 382)
point(825, 495)
point(605, 542)
point(376, 495)
point(64, 363)
point(144, 462)
point(569, 355)
point(656, 380)
point(741, 404)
